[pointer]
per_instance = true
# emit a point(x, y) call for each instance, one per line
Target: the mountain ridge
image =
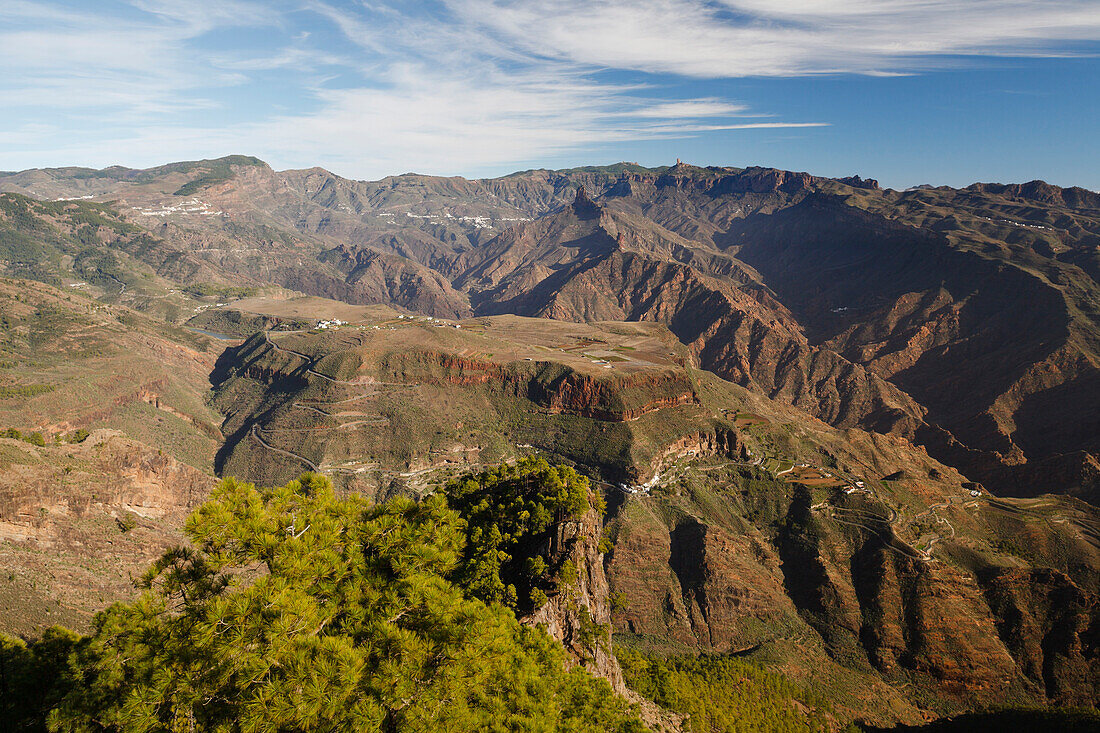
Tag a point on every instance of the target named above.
point(673, 244)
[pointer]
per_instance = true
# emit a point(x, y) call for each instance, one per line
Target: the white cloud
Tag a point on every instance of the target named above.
point(732, 38)
point(140, 63)
point(428, 121)
point(458, 85)
point(692, 108)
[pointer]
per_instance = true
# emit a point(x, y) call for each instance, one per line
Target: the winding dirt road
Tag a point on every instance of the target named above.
point(255, 433)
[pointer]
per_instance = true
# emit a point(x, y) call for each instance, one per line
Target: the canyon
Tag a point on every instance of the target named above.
point(847, 432)
point(964, 319)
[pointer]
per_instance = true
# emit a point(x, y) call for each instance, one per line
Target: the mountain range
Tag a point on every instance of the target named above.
point(847, 432)
point(965, 320)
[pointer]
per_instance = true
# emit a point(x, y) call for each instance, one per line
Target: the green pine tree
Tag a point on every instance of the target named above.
point(295, 610)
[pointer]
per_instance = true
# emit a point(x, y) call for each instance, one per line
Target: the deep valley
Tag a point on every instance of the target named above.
point(845, 434)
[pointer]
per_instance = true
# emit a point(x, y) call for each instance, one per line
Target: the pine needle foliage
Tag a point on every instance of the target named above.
point(722, 694)
point(510, 511)
point(31, 675)
point(295, 610)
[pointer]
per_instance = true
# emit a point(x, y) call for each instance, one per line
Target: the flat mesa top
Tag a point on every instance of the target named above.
point(602, 348)
point(311, 307)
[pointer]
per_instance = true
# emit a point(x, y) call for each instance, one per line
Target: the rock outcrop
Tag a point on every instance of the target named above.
point(579, 616)
point(78, 523)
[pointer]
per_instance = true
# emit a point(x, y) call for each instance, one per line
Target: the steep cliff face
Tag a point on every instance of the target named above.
point(1041, 192)
point(988, 348)
point(79, 522)
point(379, 404)
point(106, 470)
point(954, 599)
point(375, 277)
point(1052, 627)
point(550, 385)
point(580, 616)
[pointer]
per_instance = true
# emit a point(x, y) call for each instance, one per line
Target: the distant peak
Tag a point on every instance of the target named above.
point(858, 182)
point(583, 206)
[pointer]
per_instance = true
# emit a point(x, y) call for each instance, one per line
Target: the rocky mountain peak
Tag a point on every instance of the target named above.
point(858, 182)
point(583, 206)
point(1040, 192)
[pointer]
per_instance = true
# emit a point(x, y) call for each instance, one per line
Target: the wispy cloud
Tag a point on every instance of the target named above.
point(137, 63)
point(430, 121)
point(454, 85)
point(734, 38)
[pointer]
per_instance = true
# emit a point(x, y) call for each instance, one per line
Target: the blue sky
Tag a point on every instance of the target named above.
point(906, 91)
